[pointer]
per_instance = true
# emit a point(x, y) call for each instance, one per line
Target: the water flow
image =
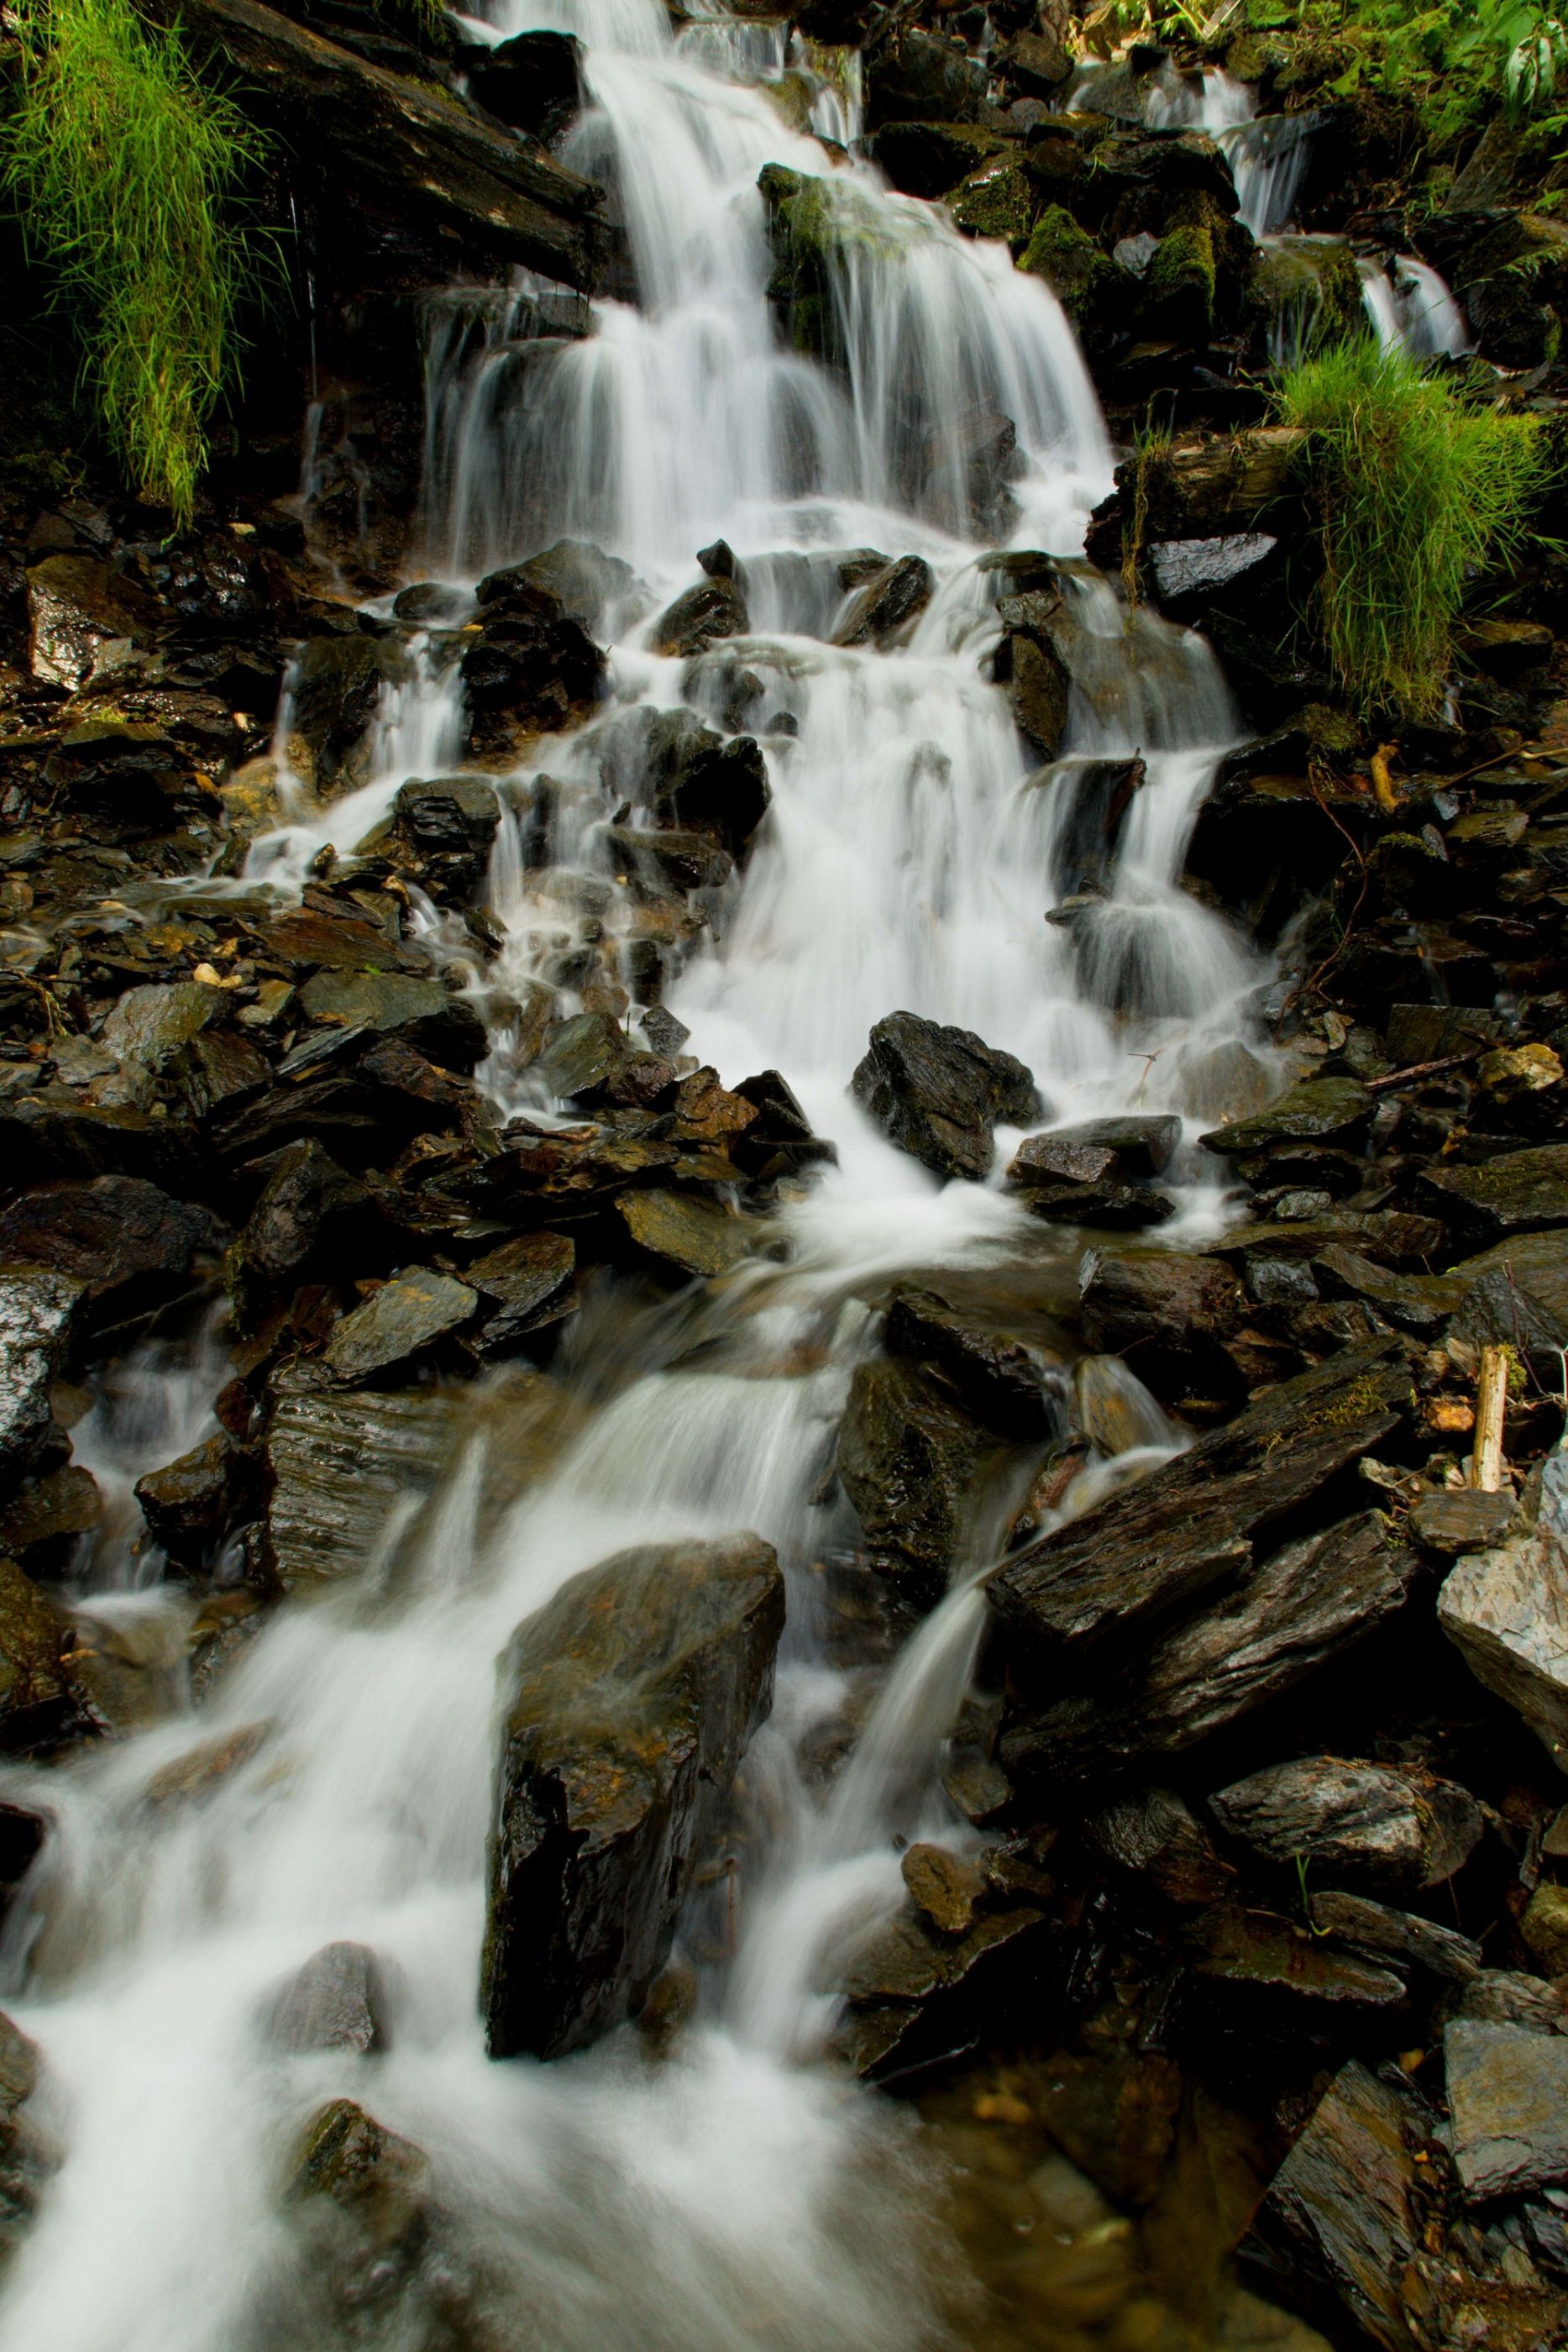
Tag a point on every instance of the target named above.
point(1410, 306)
point(338, 1782)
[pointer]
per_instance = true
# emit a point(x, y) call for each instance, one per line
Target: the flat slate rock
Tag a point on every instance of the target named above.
point(1305, 1604)
point(908, 1458)
point(1515, 1193)
point(628, 1702)
point(1318, 1110)
point(996, 1376)
point(1396, 1935)
point(340, 1465)
point(1506, 1613)
point(398, 1320)
point(1374, 1823)
point(685, 1234)
point(1154, 1547)
point(1508, 2095)
point(1516, 1294)
point(1454, 1520)
point(125, 1240)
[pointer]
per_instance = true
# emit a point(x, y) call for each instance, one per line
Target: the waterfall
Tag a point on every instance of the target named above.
point(742, 2197)
point(1409, 305)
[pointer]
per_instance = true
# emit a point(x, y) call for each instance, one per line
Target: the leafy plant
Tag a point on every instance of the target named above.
point(122, 164)
point(1416, 494)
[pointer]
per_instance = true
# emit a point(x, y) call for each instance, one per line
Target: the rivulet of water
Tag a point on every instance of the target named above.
point(740, 2195)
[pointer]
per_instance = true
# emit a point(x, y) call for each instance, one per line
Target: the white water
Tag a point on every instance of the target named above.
point(1410, 305)
point(741, 2195)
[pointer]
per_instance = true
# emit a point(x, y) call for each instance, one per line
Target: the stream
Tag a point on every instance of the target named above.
point(741, 2195)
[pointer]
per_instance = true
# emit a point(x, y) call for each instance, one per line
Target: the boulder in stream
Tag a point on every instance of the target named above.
point(937, 1093)
point(1372, 1823)
point(37, 1702)
point(628, 1703)
point(338, 1466)
point(38, 1310)
point(909, 1458)
point(126, 1241)
point(336, 2000)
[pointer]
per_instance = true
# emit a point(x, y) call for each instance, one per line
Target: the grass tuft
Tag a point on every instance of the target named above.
point(1416, 495)
point(121, 162)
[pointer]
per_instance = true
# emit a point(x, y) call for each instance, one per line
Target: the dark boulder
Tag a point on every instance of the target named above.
point(922, 78)
point(37, 1703)
point(685, 1234)
point(529, 81)
point(583, 580)
point(994, 1376)
point(780, 1141)
point(423, 1013)
point(75, 606)
point(717, 787)
point(1156, 1547)
point(888, 602)
point(909, 1458)
point(1508, 2095)
point(309, 1208)
point(1031, 663)
point(937, 1093)
point(715, 608)
point(1168, 1315)
point(1308, 1602)
point(126, 1242)
point(523, 1286)
point(1317, 1110)
point(1127, 1148)
point(1514, 1192)
point(1374, 1824)
point(916, 1992)
point(532, 670)
point(1155, 1835)
point(447, 829)
point(188, 1503)
point(628, 1700)
point(400, 1320)
point(337, 685)
point(338, 1468)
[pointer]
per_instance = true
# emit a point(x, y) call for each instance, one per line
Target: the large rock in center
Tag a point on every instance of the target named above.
point(629, 1701)
point(937, 1093)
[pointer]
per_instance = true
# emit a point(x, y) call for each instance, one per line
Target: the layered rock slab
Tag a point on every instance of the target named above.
point(628, 1703)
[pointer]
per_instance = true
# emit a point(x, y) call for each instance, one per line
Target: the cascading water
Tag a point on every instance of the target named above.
point(739, 2195)
point(1410, 307)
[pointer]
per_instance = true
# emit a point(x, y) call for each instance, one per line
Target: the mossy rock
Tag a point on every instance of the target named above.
point(998, 200)
point(1181, 280)
point(1070, 261)
point(811, 224)
point(1301, 294)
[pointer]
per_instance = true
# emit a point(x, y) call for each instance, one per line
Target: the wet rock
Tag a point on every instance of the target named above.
point(995, 1377)
point(77, 608)
point(916, 1995)
point(945, 1889)
point(628, 1700)
point(335, 2002)
point(1131, 1148)
point(699, 617)
point(400, 1320)
point(716, 787)
point(308, 1206)
point(1156, 1547)
point(581, 1056)
point(126, 1242)
point(1515, 1193)
point(1030, 664)
point(149, 1024)
point(893, 597)
point(1274, 1965)
point(529, 81)
point(937, 1093)
point(1515, 1295)
point(1304, 1605)
point(686, 1234)
point(1316, 1110)
point(188, 1505)
point(378, 2181)
point(339, 682)
point(1169, 1312)
point(36, 1700)
point(423, 1012)
point(1412, 1302)
point(448, 828)
point(1155, 1835)
point(908, 1460)
point(922, 78)
point(1114, 2113)
point(780, 1141)
point(531, 671)
point(671, 860)
point(338, 1465)
point(584, 580)
point(526, 1285)
point(27, 2156)
point(1544, 1927)
point(1505, 1996)
point(38, 1310)
point(1397, 1935)
point(1346, 2208)
point(1508, 2096)
point(1395, 1827)
point(1506, 1612)
point(37, 1528)
point(205, 1769)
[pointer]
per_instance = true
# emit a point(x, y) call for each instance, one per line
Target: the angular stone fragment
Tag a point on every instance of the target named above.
point(914, 1993)
point(1317, 1110)
point(38, 1311)
point(308, 1207)
point(995, 1376)
point(943, 1888)
point(1128, 1148)
point(1395, 1827)
point(908, 1458)
point(1279, 1961)
point(123, 1239)
point(1454, 1520)
point(1304, 1605)
point(76, 607)
point(377, 2178)
point(1514, 1192)
point(527, 1285)
point(1344, 2206)
point(340, 1466)
point(898, 594)
point(1396, 1935)
point(398, 1320)
point(335, 2002)
point(1506, 1612)
point(448, 827)
point(187, 1504)
point(937, 1093)
point(1544, 1927)
point(1155, 1835)
point(1154, 1547)
point(712, 609)
point(423, 1012)
point(685, 1234)
point(1508, 1997)
point(1515, 1295)
point(36, 1699)
point(1508, 2095)
point(628, 1700)
point(1155, 1298)
point(149, 1024)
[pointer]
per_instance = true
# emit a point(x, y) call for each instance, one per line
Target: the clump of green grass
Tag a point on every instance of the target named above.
point(121, 164)
point(1416, 495)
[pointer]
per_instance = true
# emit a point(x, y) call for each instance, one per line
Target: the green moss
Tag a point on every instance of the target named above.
point(996, 201)
point(1069, 260)
point(1304, 294)
point(814, 227)
point(1181, 276)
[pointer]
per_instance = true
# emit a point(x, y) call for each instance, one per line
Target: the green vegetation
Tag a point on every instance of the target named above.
point(1416, 493)
point(123, 165)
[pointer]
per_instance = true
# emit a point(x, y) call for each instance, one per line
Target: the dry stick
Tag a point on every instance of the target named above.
point(1421, 1070)
point(1491, 1404)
